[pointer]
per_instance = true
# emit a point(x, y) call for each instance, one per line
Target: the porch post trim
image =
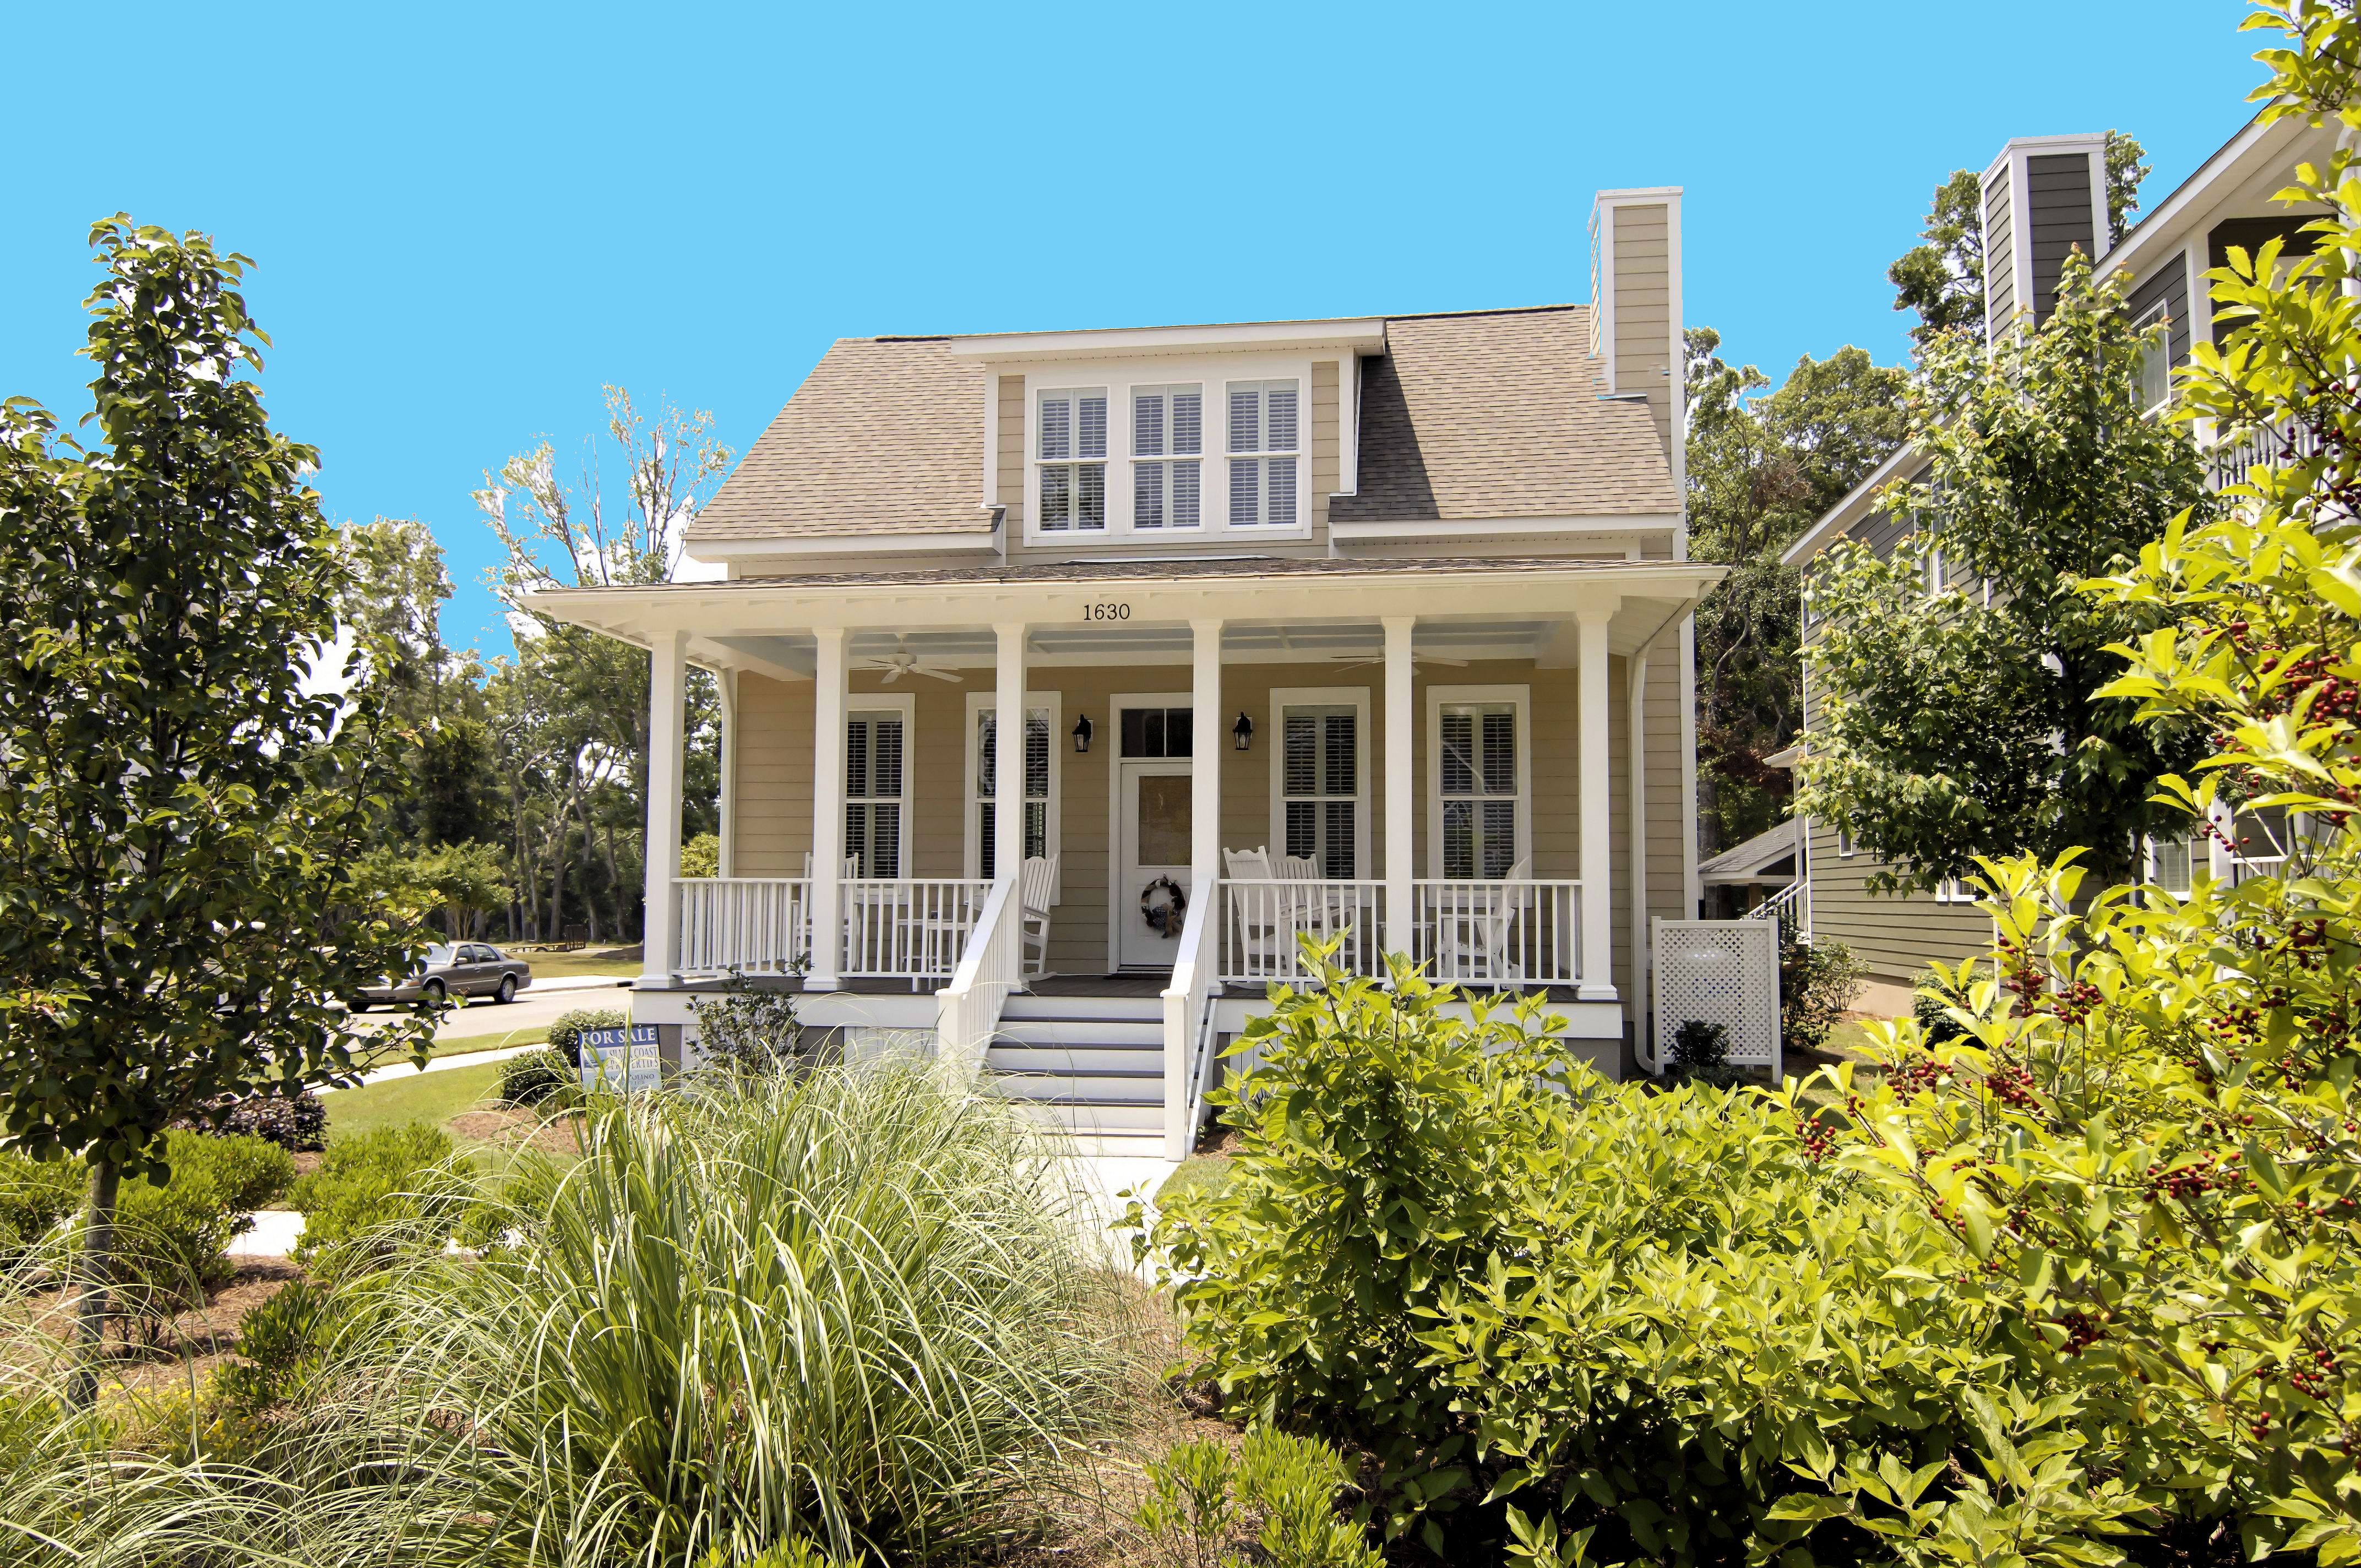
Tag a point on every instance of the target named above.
point(725, 687)
point(667, 698)
point(828, 810)
point(1637, 704)
point(1597, 887)
point(1400, 789)
point(1008, 755)
point(1206, 739)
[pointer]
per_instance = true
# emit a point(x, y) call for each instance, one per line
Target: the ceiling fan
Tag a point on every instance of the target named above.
point(896, 665)
point(1416, 660)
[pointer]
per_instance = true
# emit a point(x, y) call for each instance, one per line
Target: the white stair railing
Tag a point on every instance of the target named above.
point(990, 967)
point(1187, 1001)
point(741, 925)
point(1791, 906)
point(1523, 930)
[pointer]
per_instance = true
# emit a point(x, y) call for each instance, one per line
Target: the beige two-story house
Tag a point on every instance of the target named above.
point(1370, 629)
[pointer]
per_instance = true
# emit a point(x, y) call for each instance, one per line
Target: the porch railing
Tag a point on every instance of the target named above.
point(2287, 442)
point(1264, 920)
point(1527, 930)
point(745, 924)
point(1188, 1026)
point(991, 965)
point(913, 929)
point(1791, 906)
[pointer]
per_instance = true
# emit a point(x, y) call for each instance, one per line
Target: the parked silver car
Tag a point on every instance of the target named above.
point(454, 969)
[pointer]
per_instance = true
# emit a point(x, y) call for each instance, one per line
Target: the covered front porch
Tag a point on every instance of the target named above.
point(1467, 766)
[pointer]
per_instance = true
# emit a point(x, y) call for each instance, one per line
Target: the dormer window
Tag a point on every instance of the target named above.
point(1074, 461)
point(1264, 452)
point(1167, 437)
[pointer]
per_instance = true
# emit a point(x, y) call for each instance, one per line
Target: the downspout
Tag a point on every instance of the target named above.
point(1643, 1040)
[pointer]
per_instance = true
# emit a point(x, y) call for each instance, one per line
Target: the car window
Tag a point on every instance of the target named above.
point(438, 954)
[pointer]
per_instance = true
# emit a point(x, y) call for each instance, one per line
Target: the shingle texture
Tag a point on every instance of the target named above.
point(885, 436)
point(1465, 418)
point(1499, 414)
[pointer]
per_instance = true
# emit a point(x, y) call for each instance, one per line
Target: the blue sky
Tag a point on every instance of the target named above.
point(467, 218)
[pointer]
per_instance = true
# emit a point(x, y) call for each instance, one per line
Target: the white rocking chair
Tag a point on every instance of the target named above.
point(1034, 881)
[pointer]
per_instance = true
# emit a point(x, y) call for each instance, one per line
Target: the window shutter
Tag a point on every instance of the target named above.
point(856, 758)
point(1246, 421)
point(1147, 494)
point(1342, 749)
point(986, 767)
point(1303, 753)
point(888, 769)
point(1458, 752)
point(1500, 753)
point(1188, 423)
point(1279, 422)
point(1036, 755)
point(1245, 490)
point(1057, 498)
point(1185, 509)
point(1057, 429)
point(1091, 427)
point(1148, 425)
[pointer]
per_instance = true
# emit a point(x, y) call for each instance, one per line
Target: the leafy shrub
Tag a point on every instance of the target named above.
point(796, 1551)
point(1930, 1008)
point(1818, 982)
point(377, 1190)
point(565, 1033)
point(184, 1427)
point(536, 1076)
point(1701, 1051)
point(35, 1196)
point(172, 1240)
point(1200, 1498)
point(751, 1031)
point(277, 1341)
point(297, 1123)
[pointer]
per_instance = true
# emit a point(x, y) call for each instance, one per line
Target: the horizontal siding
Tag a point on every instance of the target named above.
point(1326, 444)
point(2168, 286)
point(2000, 254)
point(1644, 303)
point(2060, 220)
point(1895, 934)
point(1012, 450)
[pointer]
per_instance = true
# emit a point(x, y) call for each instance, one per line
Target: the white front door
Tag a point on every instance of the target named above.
point(1154, 841)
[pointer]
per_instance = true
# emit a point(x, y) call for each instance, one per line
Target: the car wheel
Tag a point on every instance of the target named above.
point(507, 992)
point(358, 1004)
point(435, 992)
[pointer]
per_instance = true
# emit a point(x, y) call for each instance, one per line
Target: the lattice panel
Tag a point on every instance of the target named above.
point(1725, 972)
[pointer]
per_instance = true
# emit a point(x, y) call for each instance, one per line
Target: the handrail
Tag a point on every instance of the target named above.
point(1200, 1080)
point(1791, 906)
point(741, 925)
point(1187, 1001)
point(990, 967)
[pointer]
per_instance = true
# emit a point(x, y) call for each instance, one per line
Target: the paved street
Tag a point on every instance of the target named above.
point(535, 1009)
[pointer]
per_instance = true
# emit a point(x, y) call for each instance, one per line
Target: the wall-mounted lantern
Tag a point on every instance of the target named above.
point(1083, 733)
point(1242, 732)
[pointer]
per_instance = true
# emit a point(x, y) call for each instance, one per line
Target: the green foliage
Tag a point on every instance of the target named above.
point(2043, 472)
point(376, 1192)
point(36, 1196)
point(1760, 472)
point(565, 1033)
point(190, 1426)
point(1188, 1512)
point(1701, 1051)
point(1200, 1499)
point(172, 1240)
point(1817, 984)
point(181, 800)
point(1942, 277)
point(748, 1030)
point(795, 1551)
point(278, 1343)
point(701, 856)
point(536, 1076)
point(297, 1123)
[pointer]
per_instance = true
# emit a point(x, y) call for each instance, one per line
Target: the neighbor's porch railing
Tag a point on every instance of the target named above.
point(992, 965)
point(1265, 919)
point(2287, 442)
point(742, 925)
point(913, 929)
point(1527, 930)
point(1791, 906)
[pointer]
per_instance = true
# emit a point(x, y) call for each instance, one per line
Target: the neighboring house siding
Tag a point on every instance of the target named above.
point(2169, 285)
point(1895, 934)
point(2059, 192)
point(2000, 254)
point(1644, 303)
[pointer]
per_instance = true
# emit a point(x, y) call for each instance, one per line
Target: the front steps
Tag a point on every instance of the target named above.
point(1090, 1065)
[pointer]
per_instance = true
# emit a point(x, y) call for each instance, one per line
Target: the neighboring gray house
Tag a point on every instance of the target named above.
point(2044, 196)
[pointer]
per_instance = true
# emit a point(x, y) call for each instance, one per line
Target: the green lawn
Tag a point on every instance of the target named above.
point(431, 1097)
point(584, 960)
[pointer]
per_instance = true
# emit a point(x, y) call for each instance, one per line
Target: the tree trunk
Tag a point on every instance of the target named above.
point(98, 1273)
point(622, 906)
point(590, 866)
point(558, 875)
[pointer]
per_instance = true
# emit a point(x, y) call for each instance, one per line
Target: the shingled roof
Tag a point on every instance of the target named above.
point(1467, 417)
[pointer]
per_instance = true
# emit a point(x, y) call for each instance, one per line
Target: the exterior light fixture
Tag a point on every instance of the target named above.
point(1242, 731)
point(1083, 733)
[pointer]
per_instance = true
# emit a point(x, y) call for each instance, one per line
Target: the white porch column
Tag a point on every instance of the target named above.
point(828, 812)
point(1008, 752)
point(1207, 738)
point(1402, 790)
point(725, 686)
point(1597, 920)
point(667, 695)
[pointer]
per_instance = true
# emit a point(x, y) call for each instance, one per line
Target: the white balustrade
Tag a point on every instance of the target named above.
point(1522, 931)
point(741, 925)
point(990, 967)
point(1265, 920)
point(1187, 1018)
point(910, 929)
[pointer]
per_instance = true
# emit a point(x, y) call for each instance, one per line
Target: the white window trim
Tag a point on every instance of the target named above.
point(1211, 377)
point(2159, 312)
point(1357, 699)
point(1133, 459)
point(2198, 861)
point(1437, 698)
point(1299, 453)
point(1053, 837)
point(1954, 890)
point(1846, 847)
point(906, 705)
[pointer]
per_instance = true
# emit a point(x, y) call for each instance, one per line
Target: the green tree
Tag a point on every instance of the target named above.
point(186, 769)
point(1960, 674)
point(1942, 277)
point(1760, 472)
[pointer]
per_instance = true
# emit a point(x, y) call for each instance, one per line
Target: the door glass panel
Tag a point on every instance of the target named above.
point(1163, 821)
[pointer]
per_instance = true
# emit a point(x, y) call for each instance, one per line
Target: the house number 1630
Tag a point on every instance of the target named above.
point(1106, 612)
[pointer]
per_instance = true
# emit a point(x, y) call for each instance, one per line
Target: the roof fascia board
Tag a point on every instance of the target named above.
point(1850, 511)
point(2161, 230)
point(1365, 334)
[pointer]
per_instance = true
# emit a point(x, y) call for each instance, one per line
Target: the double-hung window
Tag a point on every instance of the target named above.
point(2155, 358)
point(1263, 449)
point(1481, 786)
point(875, 786)
point(1072, 448)
point(1168, 444)
point(1039, 725)
point(1320, 785)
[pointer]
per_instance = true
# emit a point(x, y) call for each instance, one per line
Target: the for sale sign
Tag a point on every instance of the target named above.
point(624, 1059)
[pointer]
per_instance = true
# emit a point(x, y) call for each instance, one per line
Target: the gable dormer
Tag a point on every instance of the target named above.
point(2043, 197)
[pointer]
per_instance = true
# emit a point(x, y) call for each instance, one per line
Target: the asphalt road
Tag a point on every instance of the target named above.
point(533, 1009)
